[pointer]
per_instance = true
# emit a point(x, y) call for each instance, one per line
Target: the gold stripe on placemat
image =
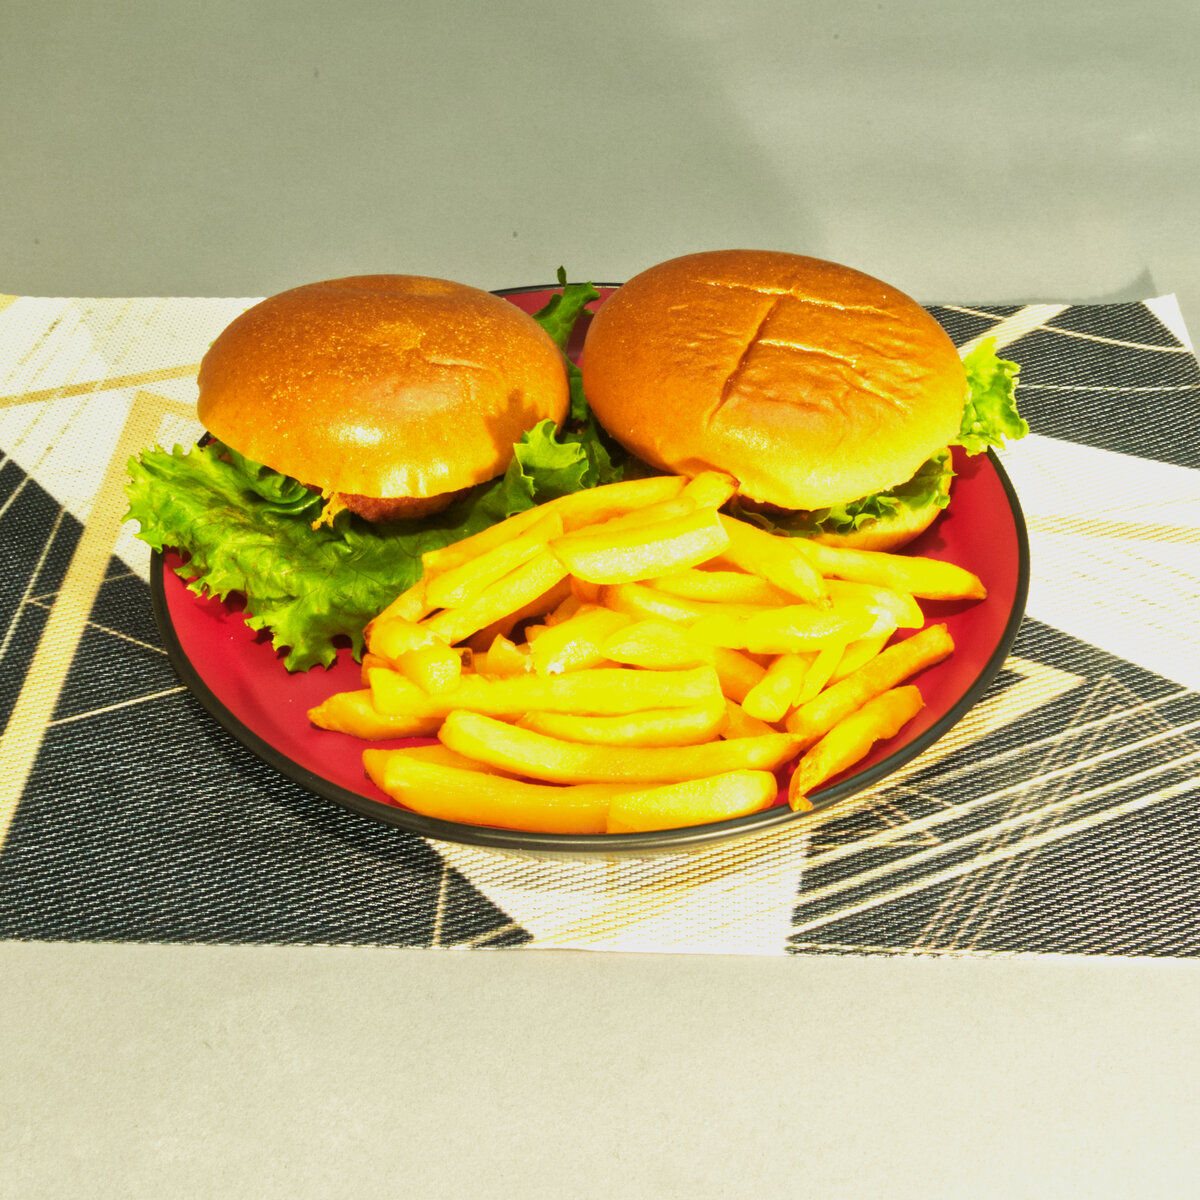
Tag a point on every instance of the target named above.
point(1136, 530)
point(5, 301)
point(113, 383)
point(68, 618)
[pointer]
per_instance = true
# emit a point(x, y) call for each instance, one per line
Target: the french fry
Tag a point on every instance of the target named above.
point(595, 505)
point(462, 583)
point(556, 761)
point(601, 691)
point(435, 752)
point(474, 798)
point(445, 558)
point(434, 669)
point(897, 609)
point(820, 671)
point(583, 591)
point(540, 606)
point(739, 723)
point(528, 583)
point(568, 608)
point(857, 653)
point(391, 637)
point(721, 587)
point(736, 672)
point(811, 721)
point(776, 691)
point(925, 578)
point(655, 645)
point(687, 726)
point(641, 601)
point(709, 489)
point(791, 629)
point(605, 556)
point(370, 660)
point(505, 657)
point(851, 739)
point(693, 802)
point(355, 714)
point(779, 560)
point(577, 642)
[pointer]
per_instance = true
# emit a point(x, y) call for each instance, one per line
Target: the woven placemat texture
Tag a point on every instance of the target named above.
point(1061, 816)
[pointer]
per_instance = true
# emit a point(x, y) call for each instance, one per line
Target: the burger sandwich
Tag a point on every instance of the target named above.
point(831, 397)
point(354, 424)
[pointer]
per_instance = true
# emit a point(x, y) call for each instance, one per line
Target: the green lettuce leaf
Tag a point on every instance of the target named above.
point(564, 309)
point(929, 486)
point(990, 415)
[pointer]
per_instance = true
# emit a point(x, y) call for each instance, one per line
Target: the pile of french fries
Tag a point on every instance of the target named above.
point(629, 658)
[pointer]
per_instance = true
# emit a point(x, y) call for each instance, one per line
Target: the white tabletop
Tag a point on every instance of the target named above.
point(965, 152)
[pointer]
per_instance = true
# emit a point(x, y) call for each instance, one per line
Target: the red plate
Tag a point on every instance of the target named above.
point(241, 681)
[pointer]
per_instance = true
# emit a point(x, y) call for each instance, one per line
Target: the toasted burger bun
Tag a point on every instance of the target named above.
point(809, 382)
point(392, 392)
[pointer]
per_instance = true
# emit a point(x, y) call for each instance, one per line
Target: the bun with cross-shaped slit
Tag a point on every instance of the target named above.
point(812, 384)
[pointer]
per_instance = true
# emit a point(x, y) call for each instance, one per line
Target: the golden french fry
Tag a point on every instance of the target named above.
point(355, 714)
point(709, 489)
point(445, 558)
point(370, 660)
point(391, 637)
point(819, 672)
point(643, 602)
point(813, 720)
point(473, 798)
point(568, 608)
point(851, 739)
point(462, 583)
point(721, 587)
point(600, 691)
point(435, 752)
point(739, 723)
point(897, 609)
point(693, 802)
point(540, 757)
point(540, 606)
point(736, 672)
point(606, 557)
point(791, 629)
point(435, 668)
point(779, 560)
point(593, 506)
point(660, 727)
point(505, 657)
point(925, 578)
point(857, 653)
point(528, 583)
point(577, 642)
point(776, 691)
point(656, 645)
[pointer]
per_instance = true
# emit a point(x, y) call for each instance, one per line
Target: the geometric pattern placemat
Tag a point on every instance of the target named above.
point(1062, 816)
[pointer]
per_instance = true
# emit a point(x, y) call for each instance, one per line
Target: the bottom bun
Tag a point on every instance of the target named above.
point(887, 533)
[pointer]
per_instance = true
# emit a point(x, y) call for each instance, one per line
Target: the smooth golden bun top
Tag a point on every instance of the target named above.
point(382, 385)
point(811, 383)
